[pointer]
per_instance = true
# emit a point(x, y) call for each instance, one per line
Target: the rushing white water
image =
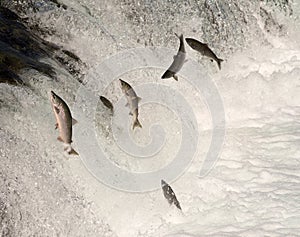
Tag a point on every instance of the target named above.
point(253, 188)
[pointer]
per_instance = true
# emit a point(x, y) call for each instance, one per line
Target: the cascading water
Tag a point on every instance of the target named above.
point(79, 49)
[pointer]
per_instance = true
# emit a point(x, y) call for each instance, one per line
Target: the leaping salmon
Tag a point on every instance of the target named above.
point(107, 103)
point(64, 122)
point(132, 102)
point(204, 50)
point(169, 194)
point(178, 61)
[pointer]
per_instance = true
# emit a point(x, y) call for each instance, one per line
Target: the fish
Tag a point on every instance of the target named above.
point(178, 61)
point(132, 102)
point(107, 103)
point(204, 50)
point(64, 122)
point(169, 194)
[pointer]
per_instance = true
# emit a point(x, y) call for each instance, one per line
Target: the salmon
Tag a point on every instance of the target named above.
point(132, 102)
point(64, 122)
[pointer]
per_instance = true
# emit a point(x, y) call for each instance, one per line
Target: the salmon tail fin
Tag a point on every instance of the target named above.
point(177, 204)
point(136, 123)
point(219, 62)
point(70, 150)
point(73, 152)
point(179, 36)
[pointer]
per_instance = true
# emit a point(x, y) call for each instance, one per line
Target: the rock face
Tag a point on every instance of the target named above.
point(22, 48)
point(226, 26)
point(36, 196)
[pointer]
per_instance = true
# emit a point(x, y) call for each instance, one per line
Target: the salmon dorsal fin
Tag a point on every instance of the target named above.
point(74, 121)
point(138, 98)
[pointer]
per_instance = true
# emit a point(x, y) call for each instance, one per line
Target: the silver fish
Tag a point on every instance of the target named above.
point(132, 102)
point(204, 50)
point(64, 122)
point(178, 61)
point(169, 194)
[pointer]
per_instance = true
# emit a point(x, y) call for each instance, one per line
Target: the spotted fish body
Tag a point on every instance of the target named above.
point(178, 61)
point(64, 121)
point(204, 50)
point(169, 194)
point(132, 102)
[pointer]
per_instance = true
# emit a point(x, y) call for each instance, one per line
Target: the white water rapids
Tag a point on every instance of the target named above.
point(253, 189)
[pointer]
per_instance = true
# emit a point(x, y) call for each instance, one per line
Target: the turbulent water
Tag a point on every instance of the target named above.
point(245, 183)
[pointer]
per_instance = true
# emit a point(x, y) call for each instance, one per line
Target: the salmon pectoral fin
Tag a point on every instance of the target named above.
point(175, 77)
point(130, 113)
point(56, 126)
point(60, 139)
point(56, 109)
point(74, 121)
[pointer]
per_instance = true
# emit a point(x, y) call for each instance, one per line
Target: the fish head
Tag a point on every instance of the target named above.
point(167, 74)
point(190, 42)
point(55, 100)
point(124, 85)
point(103, 99)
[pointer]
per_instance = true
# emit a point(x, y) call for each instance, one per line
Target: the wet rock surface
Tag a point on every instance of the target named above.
point(37, 199)
point(21, 48)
